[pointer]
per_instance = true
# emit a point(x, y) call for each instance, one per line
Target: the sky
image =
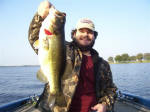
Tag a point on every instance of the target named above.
point(123, 27)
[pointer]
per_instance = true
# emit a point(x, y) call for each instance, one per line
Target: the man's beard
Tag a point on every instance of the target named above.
point(83, 47)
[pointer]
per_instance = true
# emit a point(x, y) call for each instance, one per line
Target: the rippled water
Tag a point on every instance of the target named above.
point(133, 78)
point(20, 82)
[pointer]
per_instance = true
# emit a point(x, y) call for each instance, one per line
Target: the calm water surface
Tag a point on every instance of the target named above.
point(133, 78)
point(20, 82)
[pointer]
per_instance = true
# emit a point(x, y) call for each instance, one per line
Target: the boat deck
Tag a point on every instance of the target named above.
point(126, 106)
point(120, 106)
point(124, 103)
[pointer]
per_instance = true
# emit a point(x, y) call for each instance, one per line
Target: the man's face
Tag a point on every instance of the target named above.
point(84, 36)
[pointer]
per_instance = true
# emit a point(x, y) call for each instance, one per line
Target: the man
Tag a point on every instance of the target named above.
point(87, 82)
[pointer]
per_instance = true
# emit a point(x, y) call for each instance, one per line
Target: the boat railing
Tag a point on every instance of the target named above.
point(17, 103)
point(134, 99)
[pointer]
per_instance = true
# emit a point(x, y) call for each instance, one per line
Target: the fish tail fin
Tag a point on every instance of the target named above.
point(46, 101)
point(52, 100)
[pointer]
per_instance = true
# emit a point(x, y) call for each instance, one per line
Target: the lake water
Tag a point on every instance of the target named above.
point(133, 78)
point(20, 82)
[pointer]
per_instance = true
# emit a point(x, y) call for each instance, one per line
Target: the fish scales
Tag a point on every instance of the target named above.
point(51, 50)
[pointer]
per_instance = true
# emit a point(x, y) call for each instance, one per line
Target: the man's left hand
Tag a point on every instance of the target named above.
point(99, 108)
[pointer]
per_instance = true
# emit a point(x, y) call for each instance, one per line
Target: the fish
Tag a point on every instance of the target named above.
point(52, 51)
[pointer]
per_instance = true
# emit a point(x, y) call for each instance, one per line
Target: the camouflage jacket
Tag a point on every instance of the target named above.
point(105, 88)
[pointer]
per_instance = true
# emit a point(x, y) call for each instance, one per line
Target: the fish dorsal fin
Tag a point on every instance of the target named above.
point(40, 75)
point(36, 44)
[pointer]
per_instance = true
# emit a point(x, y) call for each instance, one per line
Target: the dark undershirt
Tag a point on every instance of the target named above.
point(84, 97)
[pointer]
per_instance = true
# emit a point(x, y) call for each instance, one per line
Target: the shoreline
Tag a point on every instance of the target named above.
point(17, 65)
point(128, 62)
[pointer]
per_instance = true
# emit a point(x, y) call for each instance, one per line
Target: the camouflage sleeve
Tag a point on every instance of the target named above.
point(109, 93)
point(34, 28)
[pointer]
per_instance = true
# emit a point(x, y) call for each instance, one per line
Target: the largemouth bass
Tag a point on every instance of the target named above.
point(51, 50)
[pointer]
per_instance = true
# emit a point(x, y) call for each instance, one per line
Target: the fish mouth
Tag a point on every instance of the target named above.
point(57, 13)
point(59, 18)
point(60, 14)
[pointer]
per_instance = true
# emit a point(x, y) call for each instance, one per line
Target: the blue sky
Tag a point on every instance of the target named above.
point(123, 26)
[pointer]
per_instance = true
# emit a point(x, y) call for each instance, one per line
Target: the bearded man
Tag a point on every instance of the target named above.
point(87, 81)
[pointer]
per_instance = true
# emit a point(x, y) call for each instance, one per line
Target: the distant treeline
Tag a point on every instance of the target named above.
point(140, 57)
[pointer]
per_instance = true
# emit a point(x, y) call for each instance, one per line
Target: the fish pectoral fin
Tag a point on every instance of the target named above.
point(36, 44)
point(40, 75)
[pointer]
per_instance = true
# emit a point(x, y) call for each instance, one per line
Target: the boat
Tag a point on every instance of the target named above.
point(131, 103)
point(124, 103)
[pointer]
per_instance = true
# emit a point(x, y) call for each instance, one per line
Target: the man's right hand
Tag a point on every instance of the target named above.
point(43, 8)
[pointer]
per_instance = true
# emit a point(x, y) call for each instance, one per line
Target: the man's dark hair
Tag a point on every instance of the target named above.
point(74, 31)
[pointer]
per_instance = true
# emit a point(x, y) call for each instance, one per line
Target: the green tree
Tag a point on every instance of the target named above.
point(125, 57)
point(139, 57)
point(146, 56)
point(118, 58)
point(132, 58)
point(111, 59)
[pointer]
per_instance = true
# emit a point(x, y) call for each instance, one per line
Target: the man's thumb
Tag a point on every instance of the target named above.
point(94, 108)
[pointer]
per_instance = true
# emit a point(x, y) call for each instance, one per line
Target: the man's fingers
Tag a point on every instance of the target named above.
point(43, 8)
point(46, 4)
point(99, 108)
point(95, 107)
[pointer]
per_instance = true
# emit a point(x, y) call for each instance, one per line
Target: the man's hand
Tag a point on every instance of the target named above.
point(99, 108)
point(43, 8)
